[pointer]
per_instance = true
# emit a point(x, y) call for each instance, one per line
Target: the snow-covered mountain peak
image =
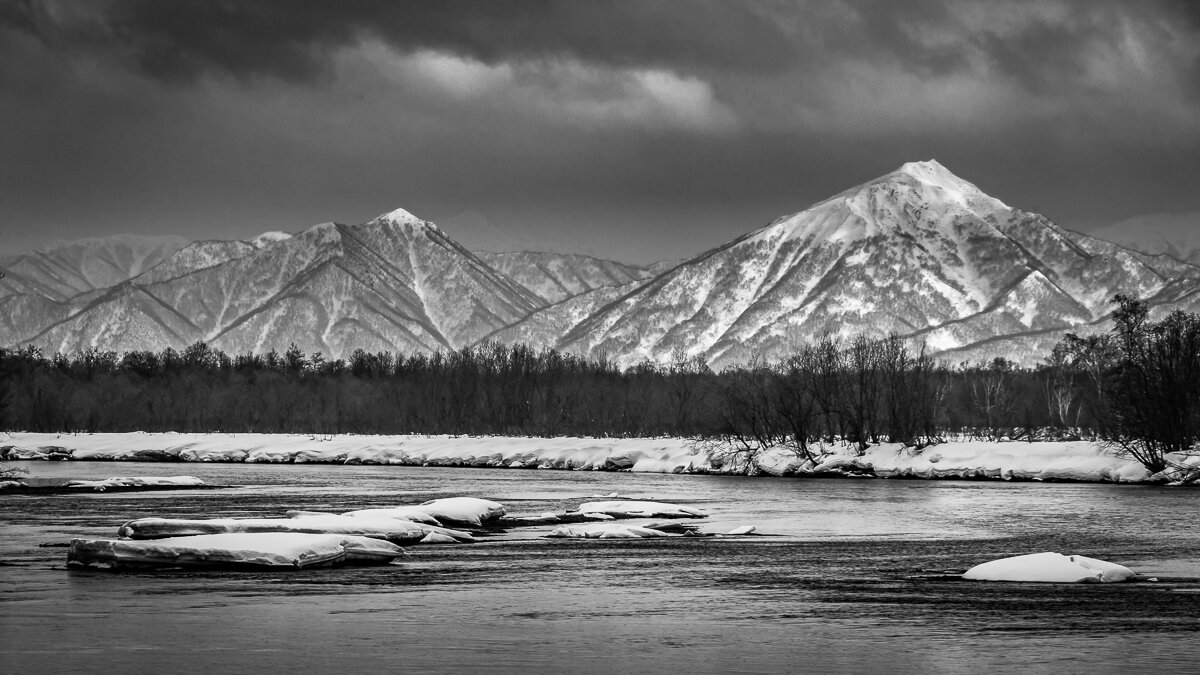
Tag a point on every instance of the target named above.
point(400, 217)
point(920, 199)
point(268, 238)
point(930, 181)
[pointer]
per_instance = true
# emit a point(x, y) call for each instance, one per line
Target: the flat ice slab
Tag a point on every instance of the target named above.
point(390, 529)
point(605, 531)
point(271, 549)
point(640, 509)
point(137, 481)
point(1050, 568)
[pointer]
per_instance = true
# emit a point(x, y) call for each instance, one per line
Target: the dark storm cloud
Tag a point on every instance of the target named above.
point(623, 121)
point(182, 39)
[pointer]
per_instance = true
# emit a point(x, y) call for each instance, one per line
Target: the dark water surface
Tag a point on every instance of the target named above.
point(862, 579)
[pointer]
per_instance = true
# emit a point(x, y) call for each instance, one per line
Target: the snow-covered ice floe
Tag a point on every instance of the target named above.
point(439, 535)
point(1050, 568)
point(271, 549)
point(413, 513)
point(463, 510)
point(390, 529)
point(137, 481)
point(605, 531)
point(641, 509)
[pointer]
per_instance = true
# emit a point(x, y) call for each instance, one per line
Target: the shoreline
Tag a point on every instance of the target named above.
point(1042, 461)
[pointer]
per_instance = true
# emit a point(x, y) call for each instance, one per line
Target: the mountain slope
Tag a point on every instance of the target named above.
point(916, 252)
point(395, 283)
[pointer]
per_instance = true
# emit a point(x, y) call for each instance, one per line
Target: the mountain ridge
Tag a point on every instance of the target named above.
point(918, 252)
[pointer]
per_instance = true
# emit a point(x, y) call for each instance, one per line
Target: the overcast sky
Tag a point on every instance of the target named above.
point(633, 130)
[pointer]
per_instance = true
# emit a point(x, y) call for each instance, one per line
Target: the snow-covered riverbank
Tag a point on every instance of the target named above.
point(1048, 461)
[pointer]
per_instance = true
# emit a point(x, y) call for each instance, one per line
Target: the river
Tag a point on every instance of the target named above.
point(862, 577)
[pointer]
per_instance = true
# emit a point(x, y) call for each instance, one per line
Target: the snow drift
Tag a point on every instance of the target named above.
point(1003, 460)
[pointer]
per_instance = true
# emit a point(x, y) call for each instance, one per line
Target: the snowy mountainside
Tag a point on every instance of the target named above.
point(918, 252)
point(554, 277)
point(395, 283)
point(544, 326)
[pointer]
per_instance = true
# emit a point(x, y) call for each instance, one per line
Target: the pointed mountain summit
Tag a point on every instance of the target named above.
point(918, 252)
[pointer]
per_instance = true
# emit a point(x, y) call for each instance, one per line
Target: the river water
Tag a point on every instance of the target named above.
point(862, 577)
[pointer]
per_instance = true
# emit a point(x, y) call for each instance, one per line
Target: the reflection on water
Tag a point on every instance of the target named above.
point(862, 579)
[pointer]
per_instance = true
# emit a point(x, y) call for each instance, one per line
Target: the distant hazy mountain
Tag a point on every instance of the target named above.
point(1174, 234)
point(477, 233)
point(66, 269)
point(918, 252)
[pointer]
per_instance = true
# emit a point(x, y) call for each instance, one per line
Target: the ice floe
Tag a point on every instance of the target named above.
point(1051, 568)
point(413, 513)
point(641, 509)
point(605, 531)
point(463, 510)
point(270, 549)
point(137, 481)
point(390, 529)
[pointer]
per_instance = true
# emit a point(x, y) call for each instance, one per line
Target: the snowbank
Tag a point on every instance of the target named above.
point(1050, 568)
point(1009, 460)
point(274, 549)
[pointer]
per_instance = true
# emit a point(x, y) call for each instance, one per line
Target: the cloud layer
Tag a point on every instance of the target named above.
point(675, 124)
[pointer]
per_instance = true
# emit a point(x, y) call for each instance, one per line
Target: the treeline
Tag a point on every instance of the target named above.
point(860, 392)
point(865, 391)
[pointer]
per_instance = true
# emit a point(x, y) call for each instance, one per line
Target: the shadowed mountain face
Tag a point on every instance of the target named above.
point(554, 277)
point(918, 252)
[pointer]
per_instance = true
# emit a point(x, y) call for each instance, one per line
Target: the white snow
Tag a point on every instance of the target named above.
point(465, 510)
point(407, 515)
point(411, 513)
point(400, 217)
point(274, 549)
point(1006, 460)
point(1050, 568)
point(641, 509)
point(267, 238)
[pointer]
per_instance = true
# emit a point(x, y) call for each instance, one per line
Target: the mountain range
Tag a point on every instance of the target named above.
point(918, 252)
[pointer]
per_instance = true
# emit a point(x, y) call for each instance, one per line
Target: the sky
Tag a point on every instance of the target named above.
point(636, 131)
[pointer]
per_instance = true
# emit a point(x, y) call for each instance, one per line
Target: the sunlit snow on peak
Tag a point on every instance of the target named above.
point(400, 217)
point(267, 238)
